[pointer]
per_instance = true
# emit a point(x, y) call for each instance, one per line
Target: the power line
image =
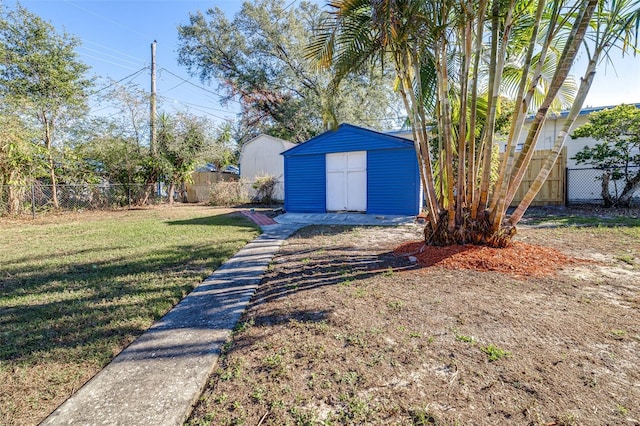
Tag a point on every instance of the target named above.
point(123, 60)
point(135, 74)
point(198, 109)
point(109, 62)
point(119, 52)
point(192, 88)
point(201, 106)
point(195, 85)
point(289, 5)
point(190, 92)
point(196, 106)
point(108, 20)
point(175, 87)
point(101, 109)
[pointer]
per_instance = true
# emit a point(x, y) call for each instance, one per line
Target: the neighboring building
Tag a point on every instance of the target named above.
point(582, 181)
point(552, 126)
point(353, 169)
point(209, 167)
point(261, 156)
point(402, 133)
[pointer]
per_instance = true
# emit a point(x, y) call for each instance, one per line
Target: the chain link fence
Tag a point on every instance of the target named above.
point(37, 197)
point(584, 186)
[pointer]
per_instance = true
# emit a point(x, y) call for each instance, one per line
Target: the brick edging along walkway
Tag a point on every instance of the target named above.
point(259, 218)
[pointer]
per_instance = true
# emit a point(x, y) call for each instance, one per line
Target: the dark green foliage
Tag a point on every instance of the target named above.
point(42, 78)
point(259, 58)
point(40, 65)
point(618, 152)
point(181, 142)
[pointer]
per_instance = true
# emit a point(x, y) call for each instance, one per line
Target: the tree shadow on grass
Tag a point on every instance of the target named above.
point(83, 304)
point(329, 270)
point(17, 263)
point(309, 268)
point(227, 219)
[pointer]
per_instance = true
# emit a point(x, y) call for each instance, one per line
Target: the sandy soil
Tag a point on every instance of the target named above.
point(345, 331)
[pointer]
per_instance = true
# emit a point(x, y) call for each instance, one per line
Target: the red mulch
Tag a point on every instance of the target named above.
point(518, 260)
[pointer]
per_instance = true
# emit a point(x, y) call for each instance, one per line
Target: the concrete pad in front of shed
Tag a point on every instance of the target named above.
point(344, 219)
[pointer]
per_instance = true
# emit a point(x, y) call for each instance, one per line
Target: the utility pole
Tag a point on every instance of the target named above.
point(152, 114)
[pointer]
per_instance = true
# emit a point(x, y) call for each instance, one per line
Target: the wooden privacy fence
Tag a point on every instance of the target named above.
point(554, 189)
point(203, 182)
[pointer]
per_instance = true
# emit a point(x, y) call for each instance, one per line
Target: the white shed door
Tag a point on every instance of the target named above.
point(347, 181)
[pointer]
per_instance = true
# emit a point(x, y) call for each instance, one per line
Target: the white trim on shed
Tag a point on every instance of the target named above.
point(347, 181)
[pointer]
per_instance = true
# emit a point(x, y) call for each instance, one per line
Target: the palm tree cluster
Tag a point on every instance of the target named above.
point(455, 61)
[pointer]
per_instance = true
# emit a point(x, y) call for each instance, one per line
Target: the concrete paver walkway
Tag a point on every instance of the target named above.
point(157, 379)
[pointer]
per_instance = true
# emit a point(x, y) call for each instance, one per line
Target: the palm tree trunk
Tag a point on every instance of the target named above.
point(403, 65)
point(446, 168)
point(498, 207)
point(471, 168)
point(585, 85)
point(566, 60)
point(465, 35)
point(525, 155)
point(491, 110)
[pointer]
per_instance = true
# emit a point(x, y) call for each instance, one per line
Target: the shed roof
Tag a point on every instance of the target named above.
point(264, 137)
point(348, 137)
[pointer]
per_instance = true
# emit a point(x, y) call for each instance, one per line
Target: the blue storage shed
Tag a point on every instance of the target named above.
point(352, 169)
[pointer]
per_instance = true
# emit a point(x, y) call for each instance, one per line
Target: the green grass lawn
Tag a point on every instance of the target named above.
point(579, 220)
point(76, 289)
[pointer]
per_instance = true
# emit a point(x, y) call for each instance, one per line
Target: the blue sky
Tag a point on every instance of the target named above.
point(116, 37)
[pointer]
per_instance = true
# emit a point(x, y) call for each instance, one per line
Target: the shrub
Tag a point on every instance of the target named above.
point(229, 193)
point(265, 187)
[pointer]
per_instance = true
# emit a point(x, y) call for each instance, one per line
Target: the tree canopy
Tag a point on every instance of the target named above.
point(48, 137)
point(617, 153)
point(182, 139)
point(259, 59)
point(41, 76)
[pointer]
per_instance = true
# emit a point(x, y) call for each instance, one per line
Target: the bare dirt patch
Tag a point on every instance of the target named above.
point(345, 331)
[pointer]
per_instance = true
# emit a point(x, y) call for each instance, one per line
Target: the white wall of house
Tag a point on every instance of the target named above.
point(585, 190)
point(261, 156)
point(582, 185)
point(406, 134)
point(552, 127)
point(549, 132)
